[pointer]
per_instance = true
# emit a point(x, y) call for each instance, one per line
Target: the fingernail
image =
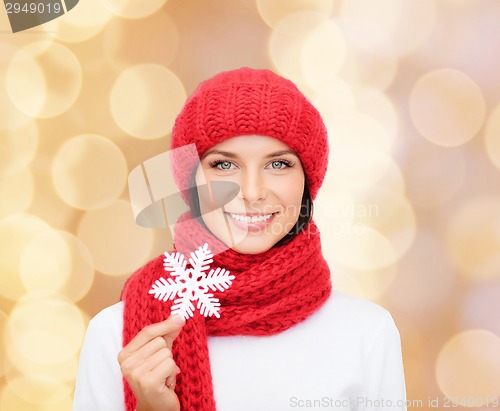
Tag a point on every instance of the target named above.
point(179, 320)
point(178, 370)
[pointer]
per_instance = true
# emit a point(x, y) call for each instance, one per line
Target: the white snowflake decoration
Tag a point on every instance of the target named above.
point(192, 284)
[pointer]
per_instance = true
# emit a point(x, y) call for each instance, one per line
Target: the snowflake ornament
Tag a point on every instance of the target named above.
point(192, 284)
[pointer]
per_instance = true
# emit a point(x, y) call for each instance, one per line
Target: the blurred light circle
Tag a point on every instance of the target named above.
point(473, 238)
point(425, 280)
point(480, 307)
point(375, 282)
point(45, 329)
point(447, 107)
point(272, 11)
point(118, 245)
point(358, 168)
point(57, 261)
point(471, 25)
point(456, 4)
point(492, 137)
point(145, 100)
point(362, 248)
point(433, 174)
point(10, 116)
point(357, 273)
point(63, 371)
point(123, 47)
point(364, 130)
point(421, 16)
point(39, 390)
point(83, 22)
point(4, 364)
point(18, 147)
point(365, 9)
point(81, 277)
point(333, 210)
point(385, 172)
point(11, 400)
point(468, 365)
point(417, 364)
point(323, 53)
point(345, 282)
point(89, 172)
point(16, 231)
point(47, 204)
point(25, 83)
point(359, 150)
point(371, 59)
point(16, 192)
point(333, 99)
point(229, 38)
point(132, 9)
point(288, 39)
point(44, 82)
point(391, 214)
point(395, 19)
point(377, 105)
point(393, 179)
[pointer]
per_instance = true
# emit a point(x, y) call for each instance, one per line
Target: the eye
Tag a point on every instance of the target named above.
point(221, 165)
point(280, 164)
point(225, 165)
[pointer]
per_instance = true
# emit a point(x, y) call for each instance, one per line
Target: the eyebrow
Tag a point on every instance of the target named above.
point(233, 155)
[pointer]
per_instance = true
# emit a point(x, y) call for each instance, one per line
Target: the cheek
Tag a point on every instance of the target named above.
point(290, 191)
point(200, 178)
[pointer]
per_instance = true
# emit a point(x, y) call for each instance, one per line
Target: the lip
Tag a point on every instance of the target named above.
point(257, 213)
point(253, 227)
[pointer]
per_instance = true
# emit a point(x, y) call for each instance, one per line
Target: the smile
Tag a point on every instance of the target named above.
point(250, 219)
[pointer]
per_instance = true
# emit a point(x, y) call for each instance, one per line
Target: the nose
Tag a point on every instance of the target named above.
point(252, 187)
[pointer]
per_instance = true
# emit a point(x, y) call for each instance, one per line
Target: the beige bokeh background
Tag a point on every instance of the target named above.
point(409, 212)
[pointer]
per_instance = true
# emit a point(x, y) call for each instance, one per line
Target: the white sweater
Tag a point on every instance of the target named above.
point(345, 356)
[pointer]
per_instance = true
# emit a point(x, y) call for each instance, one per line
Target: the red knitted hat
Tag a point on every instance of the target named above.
point(248, 101)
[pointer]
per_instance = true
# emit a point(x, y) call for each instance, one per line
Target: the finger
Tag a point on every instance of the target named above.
point(170, 336)
point(170, 327)
point(151, 372)
point(154, 380)
point(170, 381)
point(131, 360)
point(164, 371)
point(149, 349)
point(159, 358)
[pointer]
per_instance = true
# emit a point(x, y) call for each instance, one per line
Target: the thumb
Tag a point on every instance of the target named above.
point(175, 323)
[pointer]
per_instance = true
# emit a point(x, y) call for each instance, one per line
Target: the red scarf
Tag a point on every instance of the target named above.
point(271, 292)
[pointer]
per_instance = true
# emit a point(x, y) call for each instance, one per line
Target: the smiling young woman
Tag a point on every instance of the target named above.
point(284, 338)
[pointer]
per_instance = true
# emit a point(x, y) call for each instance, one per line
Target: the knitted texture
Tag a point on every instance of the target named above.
point(245, 102)
point(271, 292)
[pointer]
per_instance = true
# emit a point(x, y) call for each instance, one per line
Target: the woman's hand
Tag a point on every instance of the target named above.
point(147, 364)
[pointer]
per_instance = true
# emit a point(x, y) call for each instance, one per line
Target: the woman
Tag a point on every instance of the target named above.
point(281, 339)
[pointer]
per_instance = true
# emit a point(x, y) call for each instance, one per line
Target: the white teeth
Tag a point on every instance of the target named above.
point(248, 219)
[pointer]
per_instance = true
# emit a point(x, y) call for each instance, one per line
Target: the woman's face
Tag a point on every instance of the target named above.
point(271, 181)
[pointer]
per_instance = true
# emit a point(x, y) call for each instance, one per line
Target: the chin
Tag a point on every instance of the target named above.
point(251, 249)
point(254, 244)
